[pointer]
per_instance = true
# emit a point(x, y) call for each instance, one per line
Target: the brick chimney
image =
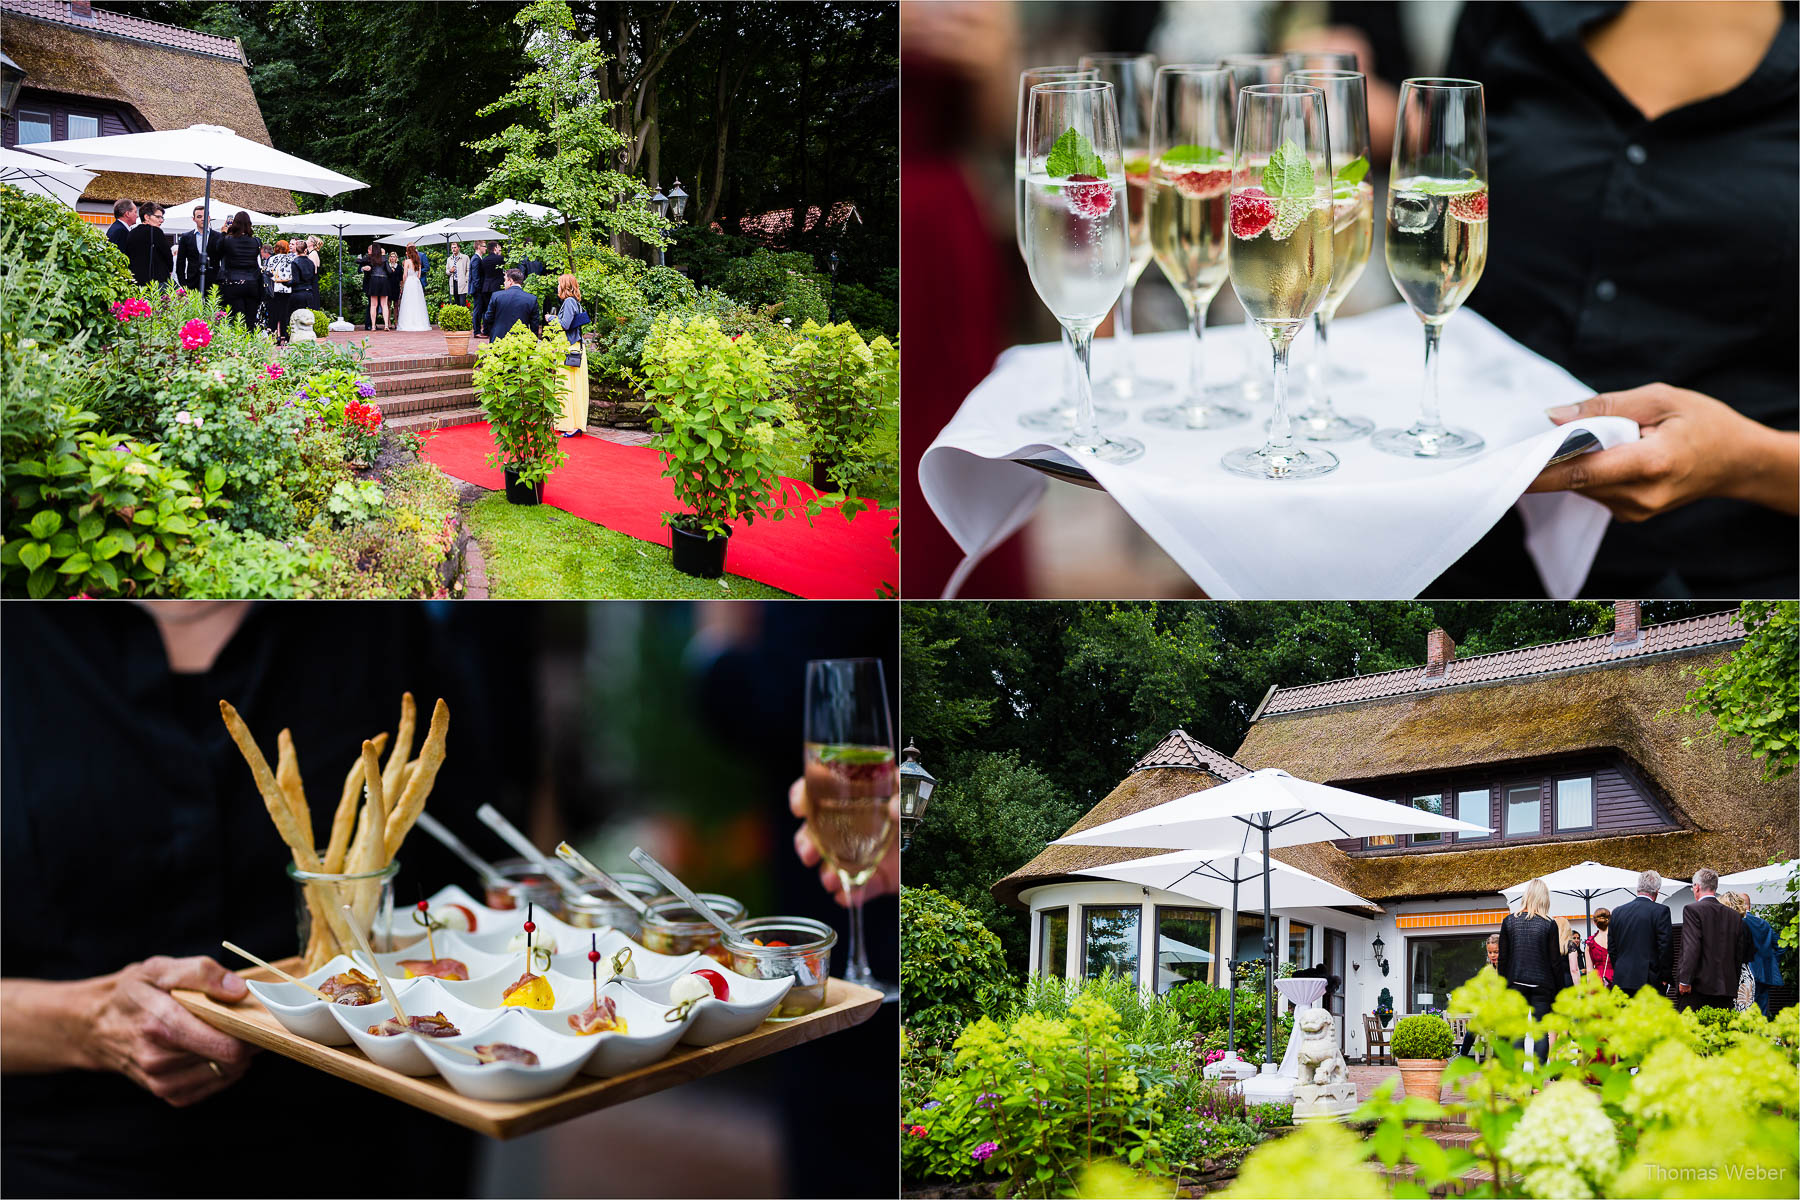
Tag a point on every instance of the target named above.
point(1628, 622)
point(81, 10)
point(1439, 650)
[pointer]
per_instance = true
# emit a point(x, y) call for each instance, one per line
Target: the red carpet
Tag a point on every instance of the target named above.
point(622, 488)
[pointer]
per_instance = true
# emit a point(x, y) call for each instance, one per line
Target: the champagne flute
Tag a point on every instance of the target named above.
point(1057, 417)
point(1436, 235)
point(1248, 70)
point(852, 788)
point(1352, 233)
point(1280, 248)
point(1133, 77)
point(1318, 60)
point(1190, 182)
point(1076, 245)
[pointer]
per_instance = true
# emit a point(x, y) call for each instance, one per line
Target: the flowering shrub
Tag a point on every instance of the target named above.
point(222, 417)
point(952, 968)
point(362, 431)
point(844, 389)
point(133, 306)
point(196, 335)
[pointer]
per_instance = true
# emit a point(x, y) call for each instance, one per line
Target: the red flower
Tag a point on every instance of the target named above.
point(917, 1131)
point(196, 334)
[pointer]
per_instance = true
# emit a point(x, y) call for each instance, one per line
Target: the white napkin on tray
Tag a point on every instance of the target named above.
point(1379, 527)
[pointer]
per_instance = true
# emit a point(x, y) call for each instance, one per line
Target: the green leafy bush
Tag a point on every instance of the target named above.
point(377, 559)
point(1146, 1020)
point(51, 253)
point(845, 390)
point(242, 564)
point(715, 424)
point(952, 969)
point(40, 369)
point(866, 308)
point(1202, 1007)
point(97, 514)
point(764, 278)
point(354, 501)
point(154, 360)
point(321, 322)
point(517, 380)
point(1425, 1035)
point(453, 318)
point(223, 415)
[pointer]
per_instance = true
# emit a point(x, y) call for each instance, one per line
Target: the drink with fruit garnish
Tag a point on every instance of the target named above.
point(1190, 136)
point(1280, 248)
point(1437, 218)
point(1352, 237)
point(849, 806)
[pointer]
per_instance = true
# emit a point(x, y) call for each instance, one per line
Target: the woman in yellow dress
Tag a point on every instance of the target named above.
point(571, 317)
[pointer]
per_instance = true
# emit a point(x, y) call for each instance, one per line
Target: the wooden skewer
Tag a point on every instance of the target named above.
point(387, 989)
point(269, 966)
point(460, 1050)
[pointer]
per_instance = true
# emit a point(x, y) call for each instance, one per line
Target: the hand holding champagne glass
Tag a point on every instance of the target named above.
point(1436, 235)
point(852, 787)
point(1280, 248)
point(1190, 186)
point(1076, 245)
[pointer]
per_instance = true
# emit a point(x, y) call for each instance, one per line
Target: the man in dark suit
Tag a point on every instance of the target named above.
point(187, 254)
point(125, 215)
point(493, 278)
point(1639, 940)
point(511, 305)
point(1714, 944)
point(147, 247)
point(477, 292)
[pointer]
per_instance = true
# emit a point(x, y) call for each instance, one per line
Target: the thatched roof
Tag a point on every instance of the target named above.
point(168, 88)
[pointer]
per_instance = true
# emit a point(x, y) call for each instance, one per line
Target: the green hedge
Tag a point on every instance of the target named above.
point(952, 969)
point(77, 271)
point(1422, 1036)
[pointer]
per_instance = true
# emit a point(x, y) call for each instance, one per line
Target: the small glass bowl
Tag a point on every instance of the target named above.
point(598, 908)
point(807, 957)
point(524, 883)
point(370, 894)
point(674, 928)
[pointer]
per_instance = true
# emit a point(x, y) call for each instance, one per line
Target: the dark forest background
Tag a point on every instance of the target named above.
point(1030, 714)
point(755, 106)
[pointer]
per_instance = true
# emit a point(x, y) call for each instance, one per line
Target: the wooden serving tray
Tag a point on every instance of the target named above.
point(846, 1004)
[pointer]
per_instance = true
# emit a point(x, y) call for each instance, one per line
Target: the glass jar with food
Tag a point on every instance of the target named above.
point(522, 883)
point(797, 946)
point(674, 928)
point(319, 916)
point(597, 908)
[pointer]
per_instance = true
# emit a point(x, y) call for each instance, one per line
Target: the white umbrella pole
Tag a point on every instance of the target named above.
point(1268, 953)
point(1231, 974)
point(340, 274)
point(206, 228)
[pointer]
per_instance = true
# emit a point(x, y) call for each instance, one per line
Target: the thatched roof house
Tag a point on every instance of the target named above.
point(91, 72)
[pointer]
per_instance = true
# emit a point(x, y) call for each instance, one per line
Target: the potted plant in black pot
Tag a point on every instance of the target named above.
point(515, 379)
point(716, 424)
point(841, 387)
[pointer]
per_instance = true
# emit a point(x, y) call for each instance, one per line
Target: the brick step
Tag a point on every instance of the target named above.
point(390, 383)
point(418, 422)
point(423, 402)
point(421, 362)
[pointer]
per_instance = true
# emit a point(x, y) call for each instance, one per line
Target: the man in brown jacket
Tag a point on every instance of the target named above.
point(1715, 943)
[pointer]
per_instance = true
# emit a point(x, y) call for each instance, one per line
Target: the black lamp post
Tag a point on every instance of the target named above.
point(662, 210)
point(1380, 949)
point(916, 785)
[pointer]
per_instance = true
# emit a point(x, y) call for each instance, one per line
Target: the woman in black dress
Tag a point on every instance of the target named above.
point(379, 285)
point(240, 269)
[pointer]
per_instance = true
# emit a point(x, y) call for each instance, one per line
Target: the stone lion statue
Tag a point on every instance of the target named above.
point(1320, 1060)
point(300, 326)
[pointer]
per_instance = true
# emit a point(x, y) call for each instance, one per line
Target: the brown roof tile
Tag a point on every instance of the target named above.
point(1180, 749)
point(124, 25)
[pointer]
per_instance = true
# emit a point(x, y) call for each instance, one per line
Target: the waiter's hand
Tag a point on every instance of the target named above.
point(136, 1028)
point(1690, 446)
point(1683, 988)
point(886, 878)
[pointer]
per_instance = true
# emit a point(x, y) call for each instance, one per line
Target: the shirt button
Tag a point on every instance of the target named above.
point(1635, 155)
point(1606, 289)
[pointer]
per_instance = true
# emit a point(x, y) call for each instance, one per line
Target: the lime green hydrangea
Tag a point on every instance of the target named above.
point(1495, 1010)
point(1564, 1145)
point(1320, 1159)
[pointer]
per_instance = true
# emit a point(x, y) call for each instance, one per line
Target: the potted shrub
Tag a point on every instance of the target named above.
point(515, 380)
point(1421, 1046)
point(842, 388)
point(453, 319)
point(716, 421)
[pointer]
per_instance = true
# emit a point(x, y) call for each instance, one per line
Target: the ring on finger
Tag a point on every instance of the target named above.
point(216, 1069)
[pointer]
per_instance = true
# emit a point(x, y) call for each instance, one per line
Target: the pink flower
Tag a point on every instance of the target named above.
point(124, 310)
point(196, 334)
point(985, 1151)
point(274, 371)
point(917, 1131)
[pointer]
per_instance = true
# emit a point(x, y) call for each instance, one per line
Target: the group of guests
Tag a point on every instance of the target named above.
point(263, 284)
point(1729, 956)
point(475, 279)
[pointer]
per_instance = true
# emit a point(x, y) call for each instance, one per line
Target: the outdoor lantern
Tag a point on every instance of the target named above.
point(660, 201)
point(1380, 949)
point(11, 80)
point(916, 784)
point(677, 201)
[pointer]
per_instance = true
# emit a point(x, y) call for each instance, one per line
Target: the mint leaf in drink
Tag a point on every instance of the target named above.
point(1442, 187)
point(1073, 155)
point(1137, 166)
point(1192, 156)
point(1353, 171)
point(855, 754)
point(1288, 174)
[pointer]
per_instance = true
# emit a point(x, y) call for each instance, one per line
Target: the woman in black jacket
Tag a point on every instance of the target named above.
point(240, 269)
point(1531, 958)
point(147, 247)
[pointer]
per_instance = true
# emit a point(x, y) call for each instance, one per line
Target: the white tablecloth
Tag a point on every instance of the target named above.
point(1302, 992)
point(1379, 527)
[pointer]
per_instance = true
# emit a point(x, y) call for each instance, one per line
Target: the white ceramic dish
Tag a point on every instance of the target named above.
point(304, 1014)
point(647, 1038)
point(558, 1060)
point(401, 1053)
point(748, 1004)
point(650, 965)
point(449, 945)
point(488, 992)
point(404, 930)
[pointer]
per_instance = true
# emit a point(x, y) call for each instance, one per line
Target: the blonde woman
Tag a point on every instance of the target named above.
point(1531, 953)
point(571, 316)
point(1746, 991)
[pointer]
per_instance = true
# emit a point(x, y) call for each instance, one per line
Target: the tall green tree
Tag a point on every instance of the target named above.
point(1752, 695)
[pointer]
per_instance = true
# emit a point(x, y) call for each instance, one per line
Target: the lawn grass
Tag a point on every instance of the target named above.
point(540, 552)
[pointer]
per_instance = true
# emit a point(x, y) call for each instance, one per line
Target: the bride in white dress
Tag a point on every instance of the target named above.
point(414, 317)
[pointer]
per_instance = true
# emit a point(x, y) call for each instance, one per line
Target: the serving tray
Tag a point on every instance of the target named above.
point(846, 1004)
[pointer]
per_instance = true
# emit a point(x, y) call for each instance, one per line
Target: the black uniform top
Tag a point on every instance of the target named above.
point(132, 828)
point(1632, 251)
point(240, 258)
point(1529, 952)
point(147, 249)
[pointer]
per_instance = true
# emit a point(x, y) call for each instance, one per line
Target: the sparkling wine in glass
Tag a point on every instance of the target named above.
point(1437, 219)
point(1076, 244)
point(1249, 70)
point(1190, 190)
point(1280, 248)
point(1058, 417)
point(1352, 233)
point(852, 786)
point(1133, 77)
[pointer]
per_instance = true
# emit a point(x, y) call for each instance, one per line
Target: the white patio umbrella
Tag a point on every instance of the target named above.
point(1590, 881)
point(1274, 809)
point(1765, 885)
point(44, 176)
point(180, 218)
point(1209, 876)
point(200, 151)
point(507, 208)
point(436, 233)
point(344, 224)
